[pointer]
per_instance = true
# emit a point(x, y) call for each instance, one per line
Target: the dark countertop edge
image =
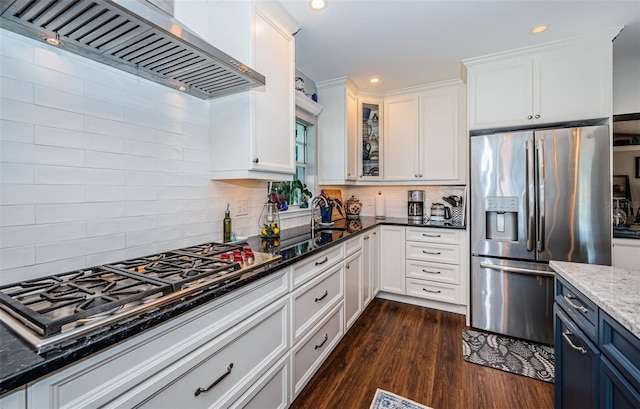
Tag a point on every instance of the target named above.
point(52, 361)
point(625, 236)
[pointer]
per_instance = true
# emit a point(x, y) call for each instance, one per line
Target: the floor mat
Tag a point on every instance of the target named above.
point(387, 400)
point(508, 354)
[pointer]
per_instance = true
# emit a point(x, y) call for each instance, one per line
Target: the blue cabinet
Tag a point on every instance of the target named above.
point(597, 359)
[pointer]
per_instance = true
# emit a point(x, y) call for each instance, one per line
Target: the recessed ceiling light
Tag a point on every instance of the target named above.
point(318, 4)
point(374, 80)
point(538, 29)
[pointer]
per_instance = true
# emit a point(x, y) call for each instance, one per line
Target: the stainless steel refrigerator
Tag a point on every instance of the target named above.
point(536, 196)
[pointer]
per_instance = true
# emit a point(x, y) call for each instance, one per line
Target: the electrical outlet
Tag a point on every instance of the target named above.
point(369, 201)
point(242, 207)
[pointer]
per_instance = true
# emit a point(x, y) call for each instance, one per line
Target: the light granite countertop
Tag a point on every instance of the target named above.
point(615, 290)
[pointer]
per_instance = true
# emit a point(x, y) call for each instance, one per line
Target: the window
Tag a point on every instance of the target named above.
point(287, 190)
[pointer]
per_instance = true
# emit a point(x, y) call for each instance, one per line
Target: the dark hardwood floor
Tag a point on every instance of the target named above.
point(414, 352)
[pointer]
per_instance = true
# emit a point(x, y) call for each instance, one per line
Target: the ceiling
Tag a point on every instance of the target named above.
point(413, 42)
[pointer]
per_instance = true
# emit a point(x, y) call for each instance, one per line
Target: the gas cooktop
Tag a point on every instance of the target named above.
point(61, 308)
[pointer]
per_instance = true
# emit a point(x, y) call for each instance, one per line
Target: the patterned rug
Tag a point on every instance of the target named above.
point(508, 354)
point(388, 400)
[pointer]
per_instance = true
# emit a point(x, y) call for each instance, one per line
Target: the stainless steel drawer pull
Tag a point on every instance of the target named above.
point(430, 272)
point(435, 253)
point(431, 291)
point(580, 308)
point(326, 292)
point(431, 235)
point(322, 262)
point(326, 337)
point(565, 335)
point(217, 381)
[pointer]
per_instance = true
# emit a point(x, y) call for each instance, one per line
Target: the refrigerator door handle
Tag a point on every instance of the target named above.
point(541, 213)
point(531, 197)
point(518, 270)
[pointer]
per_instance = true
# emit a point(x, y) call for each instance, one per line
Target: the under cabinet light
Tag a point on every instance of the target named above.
point(538, 29)
point(318, 4)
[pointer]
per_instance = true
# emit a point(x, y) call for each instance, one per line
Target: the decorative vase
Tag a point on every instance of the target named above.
point(353, 207)
point(325, 213)
point(269, 221)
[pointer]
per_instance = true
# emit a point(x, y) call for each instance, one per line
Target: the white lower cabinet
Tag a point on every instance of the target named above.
point(14, 400)
point(353, 288)
point(308, 354)
point(128, 374)
point(392, 255)
point(375, 262)
point(270, 391)
point(626, 253)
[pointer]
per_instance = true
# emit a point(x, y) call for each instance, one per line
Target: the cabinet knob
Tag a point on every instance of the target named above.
point(421, 175)
point(530, 117)
point(348, 174)
point(537, 116)
point(256, 160)
point(416, 175)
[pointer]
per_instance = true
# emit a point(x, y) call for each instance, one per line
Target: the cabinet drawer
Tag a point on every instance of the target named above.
point(434, 291)
point(621, 347)
point(270, 391)
point(308, 268)
point(227, 366)
point(311, 351)
point(442, 273)
point(311, 301)
point(582, 310)
point(353, 245)
point(433, 252)
point(439, 236)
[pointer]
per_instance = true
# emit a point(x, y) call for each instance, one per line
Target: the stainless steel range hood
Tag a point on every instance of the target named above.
point(133, 37)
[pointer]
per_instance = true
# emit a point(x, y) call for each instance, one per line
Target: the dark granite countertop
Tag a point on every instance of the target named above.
point(21, 364)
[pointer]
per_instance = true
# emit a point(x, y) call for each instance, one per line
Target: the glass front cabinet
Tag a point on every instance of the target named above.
point(370, 131)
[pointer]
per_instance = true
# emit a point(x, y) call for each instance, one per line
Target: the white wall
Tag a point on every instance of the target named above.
point(626, 88)
point(97, 165)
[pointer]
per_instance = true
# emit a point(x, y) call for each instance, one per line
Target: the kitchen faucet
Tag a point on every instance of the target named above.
point(315, 202)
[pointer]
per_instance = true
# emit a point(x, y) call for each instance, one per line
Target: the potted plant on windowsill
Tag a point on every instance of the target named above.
point(305, 193)
point(326, 205)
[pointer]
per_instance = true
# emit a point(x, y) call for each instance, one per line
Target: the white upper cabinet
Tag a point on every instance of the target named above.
point(252, 133)
point(565, 81)
point(425, 135)
point(338, 148)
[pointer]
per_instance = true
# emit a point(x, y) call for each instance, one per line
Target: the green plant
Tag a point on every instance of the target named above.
point(302, 188)
point(305, 193)
point(327, 203)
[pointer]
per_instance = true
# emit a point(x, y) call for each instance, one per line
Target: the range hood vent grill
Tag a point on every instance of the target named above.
point(130, 36)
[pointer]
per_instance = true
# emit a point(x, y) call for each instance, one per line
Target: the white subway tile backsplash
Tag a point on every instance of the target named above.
point(11, 131)
point(16, 173)
point(13, 152)
point(200, 156)
point(67, 175)
point(13, 46)
point(34, 74)
point(153, 150)
point(153, 92)
point(17, 257)
point(72, 248)
point(74, 103)
point(182, 192)
point(121, 193)
point(121, 225)
point(106, 160)
point(141, 238)
point(142, 163)
point(127, 131)
point(40, 233)
point(29, 272)
point(170, 219)
point(34, 114)
point(200, 229)
point(152, 120)
point(14, 90)
point(178, 140)
point(153, 179)
point(80, 140)
point(116, 95)
point(39, 194)
point(56, 213)
point(158, 207)
point(17, 215)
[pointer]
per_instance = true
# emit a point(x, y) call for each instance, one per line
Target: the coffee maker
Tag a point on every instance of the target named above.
point(415, 206)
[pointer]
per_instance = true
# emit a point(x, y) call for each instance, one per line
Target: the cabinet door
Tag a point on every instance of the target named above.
point(274, 141)
point(353, 150)
point(442, 134)
point(370, 124)
point(400, 143)
point(375, 263)
point(616, 391)
point(14, 400)
point(500, 93)
point(572, 83)
point(392, 259)
point(576, 372)
point(626, 253)
point(352, 288)
point(366, 269)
